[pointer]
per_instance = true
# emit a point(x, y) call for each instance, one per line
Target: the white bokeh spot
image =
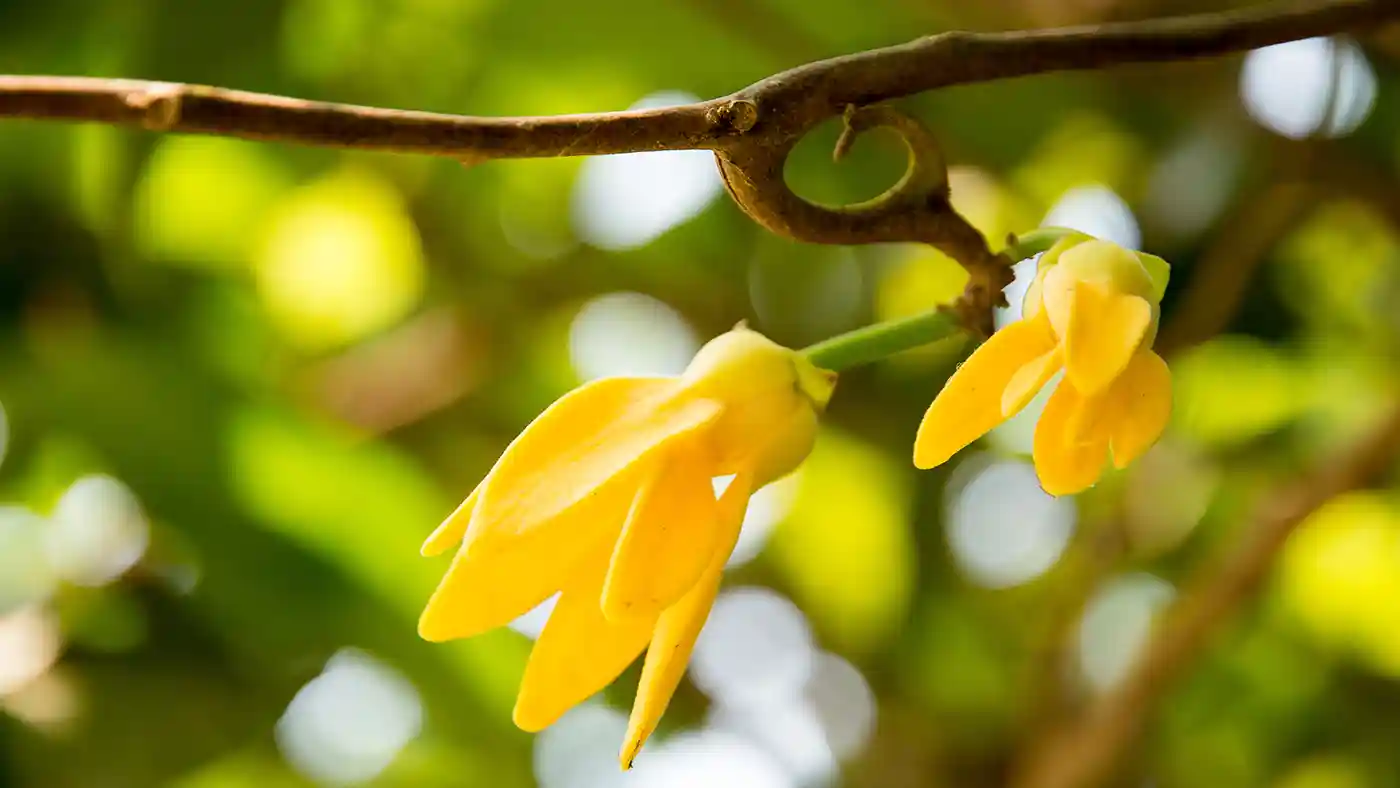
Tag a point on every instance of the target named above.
point(580, 750)
point(756, 646)
point(767, 507)
point(349, 723)
point(1097, 211)
point(1003, 529)
point(1024, 272)
point(629, 334)
point(532, 623)
point(97, 531)
point(1289, 88)
point(628, 200)
point(789, 730)
point(1116, 626)
point(30, 642)
point(710, 758)
point(845, 704)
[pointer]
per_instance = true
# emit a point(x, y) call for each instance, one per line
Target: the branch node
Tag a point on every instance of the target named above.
point(159, 104)
point(738, 115)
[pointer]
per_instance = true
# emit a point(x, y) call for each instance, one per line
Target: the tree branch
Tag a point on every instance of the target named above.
point(1085, 754)
point(775, 110)
point(751, 131)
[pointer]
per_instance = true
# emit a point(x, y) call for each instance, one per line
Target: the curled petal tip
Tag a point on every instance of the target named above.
point(631, 748)
point(454, 529)
point(1055, 491)
point(526, 719)
point(926, 460)
point(429, 629)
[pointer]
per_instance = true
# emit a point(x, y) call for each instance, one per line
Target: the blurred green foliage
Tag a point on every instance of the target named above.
point(299, 360)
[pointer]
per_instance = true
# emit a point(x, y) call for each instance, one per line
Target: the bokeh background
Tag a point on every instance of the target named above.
point(241, 382)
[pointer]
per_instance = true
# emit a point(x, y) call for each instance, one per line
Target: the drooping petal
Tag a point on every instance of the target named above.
point(1070, 448)
point(580, 442)
point(1105, 330)
point(489, 586)
point(970, 404)
point(1142, 404)
point(579, 652)
point(680, 625)
point(453, 529)
point(669, 538)
point(1028, 381)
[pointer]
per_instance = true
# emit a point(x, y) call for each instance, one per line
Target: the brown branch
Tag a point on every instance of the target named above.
point(1086, 753)
point(775, 109)
point(751, 131)
point(1221, 280)
point(1263, 216)
point(1090, 558)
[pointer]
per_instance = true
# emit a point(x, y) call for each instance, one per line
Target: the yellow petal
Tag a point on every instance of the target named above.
point(668, 541)
point(1105, 330)
point(578, 653)
point(1142, 404)
point(489, 586)
point(970, 404)
point(1068, 463)
point(1028, 381)
point(580, 442)
point(453, 529)
point(680, 625)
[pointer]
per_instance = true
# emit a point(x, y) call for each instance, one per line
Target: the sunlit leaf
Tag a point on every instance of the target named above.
point(365, 508)
point(1341, 577)
point(341, 260)
point(1235, 389)
point(202, 200)
point(1085, 149)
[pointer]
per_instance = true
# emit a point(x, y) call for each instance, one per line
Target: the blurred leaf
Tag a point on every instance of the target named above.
point(1333, 771)
point(100, 160)
point(1086, 149)
point(1340, 269)
point(201, 200)
point(1234, 389)
point(243, 770)
point(341, 260)
point(845, 547)
point(366, 508)
point(1341, 577)
point(960, 670)
point(918, 281)
point(108, 620)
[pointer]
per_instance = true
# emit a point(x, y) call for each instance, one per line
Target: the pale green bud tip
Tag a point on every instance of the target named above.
point(1157, 270)
point(816, 383)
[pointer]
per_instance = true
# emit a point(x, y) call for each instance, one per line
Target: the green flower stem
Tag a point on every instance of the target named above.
point(872, 343)
point(1035, 242)
point(882, 340)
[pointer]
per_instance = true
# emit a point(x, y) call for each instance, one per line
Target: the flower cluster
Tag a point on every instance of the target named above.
point(609, 497)
point(1092, 312)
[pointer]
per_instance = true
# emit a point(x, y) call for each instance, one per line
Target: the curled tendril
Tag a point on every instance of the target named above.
point(914, 210)
point(755, 179)
point(926, 174)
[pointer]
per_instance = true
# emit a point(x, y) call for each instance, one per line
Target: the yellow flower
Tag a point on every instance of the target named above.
point(607, 498)
point(1092, 311)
